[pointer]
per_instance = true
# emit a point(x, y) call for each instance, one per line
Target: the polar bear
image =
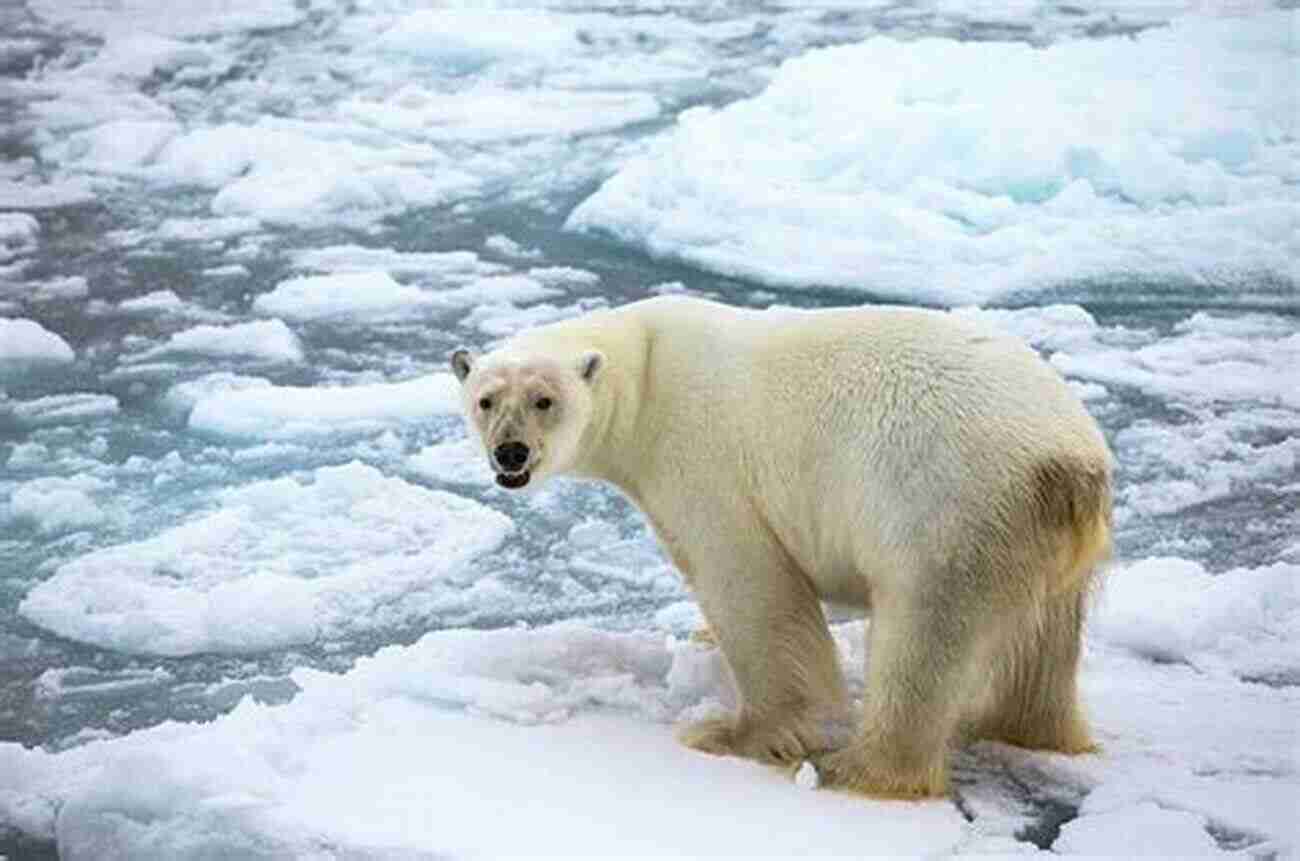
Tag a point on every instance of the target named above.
point(930, 470)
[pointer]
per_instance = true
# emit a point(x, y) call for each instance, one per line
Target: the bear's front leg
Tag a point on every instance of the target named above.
point(769, 623)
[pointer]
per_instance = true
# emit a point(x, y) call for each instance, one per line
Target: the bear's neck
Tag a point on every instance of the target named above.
point(617, 443)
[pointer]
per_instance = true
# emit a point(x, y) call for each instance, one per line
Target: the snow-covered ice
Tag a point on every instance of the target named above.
point(285, 412)
point(58, 409)
point(261, 340)
point(347, 294)
point(966, 171)
point(279, 562)
point(26, 342)
point(563, 730)
point(259, 595)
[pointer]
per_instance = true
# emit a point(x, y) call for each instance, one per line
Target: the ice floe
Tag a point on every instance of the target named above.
point(931, 184)
point(279, 562)
point(564, 727)
point(289, 412)
point(367, 294)
point(26, 342)
point(260, 340)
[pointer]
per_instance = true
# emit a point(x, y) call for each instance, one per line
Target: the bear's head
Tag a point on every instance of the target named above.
point(530, 410)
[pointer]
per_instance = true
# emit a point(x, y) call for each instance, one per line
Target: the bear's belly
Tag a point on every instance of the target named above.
point(845, 588)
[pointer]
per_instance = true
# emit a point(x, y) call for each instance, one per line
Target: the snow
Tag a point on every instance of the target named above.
point(1239, 622)
point(156, 302)
point(1143, 829)
point(349, 294)
point(59, 289)
point(26, 342)
point(488, 113)
point(119, 145)
point(463, 40)
point(507, 247)
point(458, 462)
point(452, 266)
point(182, 397)
point(261, 340)
point(201, 18)
point(265, 568)
point(56, 505)
point(565, 731)
point(49, 195)
point(288, 412)
point(59, 409)
point(1210, 359)
point(18, 234)
point(931, 185)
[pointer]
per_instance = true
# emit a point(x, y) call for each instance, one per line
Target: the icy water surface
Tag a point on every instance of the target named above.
point(238, 242)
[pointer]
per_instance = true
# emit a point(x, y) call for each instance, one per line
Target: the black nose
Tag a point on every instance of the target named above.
point(511, 456)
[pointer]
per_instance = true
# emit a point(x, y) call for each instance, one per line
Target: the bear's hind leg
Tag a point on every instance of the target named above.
point(923, 653)
point(769, 624)
point(1035, 701)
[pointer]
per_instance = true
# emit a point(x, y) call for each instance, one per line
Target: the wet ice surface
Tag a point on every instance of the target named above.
point(236, 249)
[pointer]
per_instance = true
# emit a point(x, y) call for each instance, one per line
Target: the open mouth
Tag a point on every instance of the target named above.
point(514, 480)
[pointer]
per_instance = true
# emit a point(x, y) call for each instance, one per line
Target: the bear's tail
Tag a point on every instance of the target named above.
point(1073, 502)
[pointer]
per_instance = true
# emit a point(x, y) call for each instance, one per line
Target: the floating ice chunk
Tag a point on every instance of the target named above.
point(497, 290)
point(183, 396)
point(201, 18)
point(60, 289)
point(280, 562)
point(204, 229)
point(631, 562)
point(931, 185)
point(1241, 621)
point(349, 294)
point(525, 676)
point(262, 340)
point(287, 412)
point(505, 246)
point(564, 275)
point(1184, 465)
point(56, 505)
point(65, 682)
point(1210, 358)
point(460, 41)
point(261, 171)
point(157, 302)
point(26, 342)
point(28, 455)
point(120, 145)
point(60, 409)
point(505, 319)
point(459, 462)
point(1145, 829)
point(301, 196)
point(486, 113)
point(452, 265)
point(1049, 327)
point(232, 270)
point(43, 195)
point(18, 233)
point(680, 618)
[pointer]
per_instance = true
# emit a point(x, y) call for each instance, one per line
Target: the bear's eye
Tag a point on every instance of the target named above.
point(485, 404)
point(543, 404)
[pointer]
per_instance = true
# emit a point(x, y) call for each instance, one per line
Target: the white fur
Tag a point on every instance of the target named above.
point(882, 457)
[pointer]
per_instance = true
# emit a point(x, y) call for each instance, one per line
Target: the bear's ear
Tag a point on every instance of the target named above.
point(462, 363)
point(590, 364)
